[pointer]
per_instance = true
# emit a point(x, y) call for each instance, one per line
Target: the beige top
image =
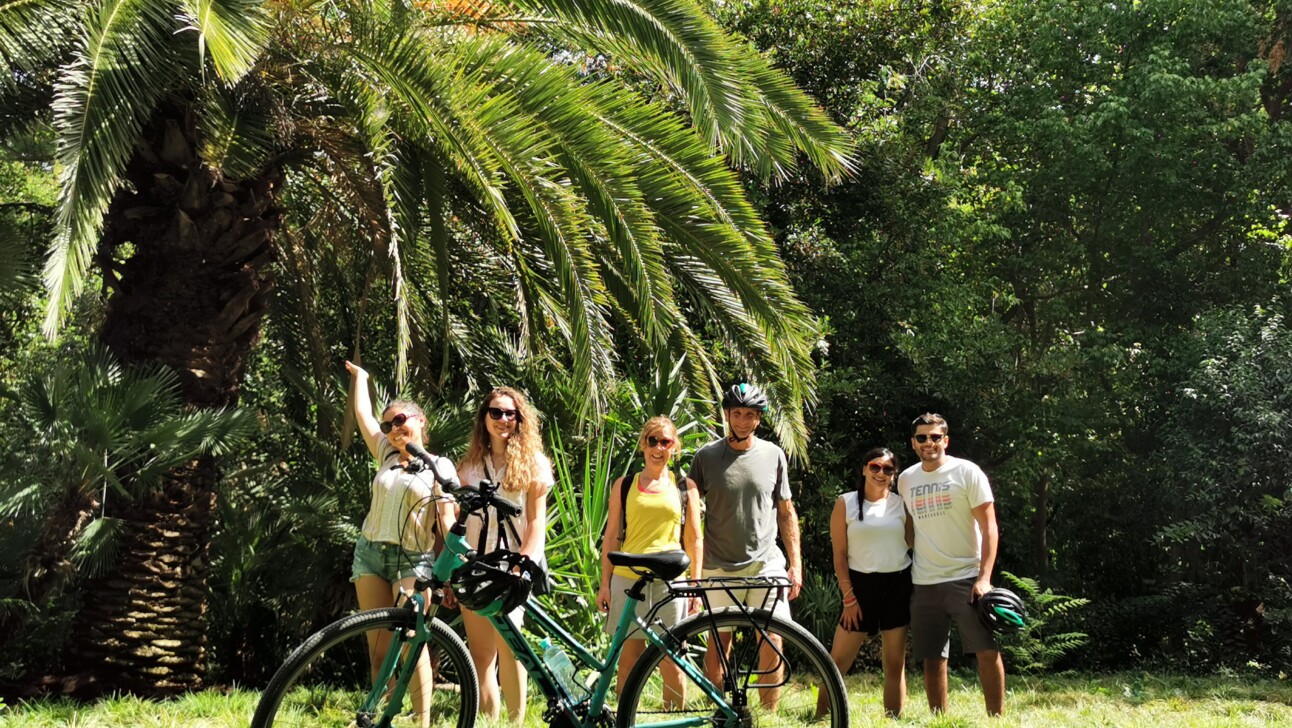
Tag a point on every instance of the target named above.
point(496, 535)
point(403, 504)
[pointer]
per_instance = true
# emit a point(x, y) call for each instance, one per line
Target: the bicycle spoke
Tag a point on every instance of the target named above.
point(330, 681)
point(775, 676)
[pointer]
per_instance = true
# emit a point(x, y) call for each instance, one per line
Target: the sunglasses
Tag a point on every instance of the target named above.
point(498, 413)
point(877, 469)
point(396, 421)
point(652, 441)
point(934, 436)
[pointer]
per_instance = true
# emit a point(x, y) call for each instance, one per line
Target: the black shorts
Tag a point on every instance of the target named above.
point(885, 599)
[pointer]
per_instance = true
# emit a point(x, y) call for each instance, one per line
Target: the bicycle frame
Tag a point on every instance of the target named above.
point(395, 660)
point(580, 711)
point(572, 706)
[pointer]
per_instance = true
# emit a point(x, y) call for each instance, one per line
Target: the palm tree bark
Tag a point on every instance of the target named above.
point(190, 296)
point(143, 627)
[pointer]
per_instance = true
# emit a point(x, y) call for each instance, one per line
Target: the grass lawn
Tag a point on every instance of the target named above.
point(1127, 699)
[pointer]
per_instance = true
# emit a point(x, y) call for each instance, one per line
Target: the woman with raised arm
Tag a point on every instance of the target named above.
point(506, 448)
point(395, 546)
point(651, 511)
point(870, 535)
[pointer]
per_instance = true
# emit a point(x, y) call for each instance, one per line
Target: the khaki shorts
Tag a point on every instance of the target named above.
point(670, 614)
point(773, 598)
point(933, 606)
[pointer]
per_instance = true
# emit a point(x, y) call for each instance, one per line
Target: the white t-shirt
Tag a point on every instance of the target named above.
point(402, 510)
point(497, 536)
point(877, 542)
point(948, 543)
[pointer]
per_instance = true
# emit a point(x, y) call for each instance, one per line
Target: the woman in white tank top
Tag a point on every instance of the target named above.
point(870, 536)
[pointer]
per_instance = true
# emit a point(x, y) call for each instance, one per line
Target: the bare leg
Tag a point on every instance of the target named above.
point(772, 666)
point(712, 663)
point(419, 687)
point(374, 592)
point(628, 657)
point(514, 678)
point(991, 673)
point(935, 683)
point(674, 685)
point(894, 648)
point(482, 640)
point(843, 650)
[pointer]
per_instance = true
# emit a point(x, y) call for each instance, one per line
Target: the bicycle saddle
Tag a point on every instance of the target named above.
point(667, 565)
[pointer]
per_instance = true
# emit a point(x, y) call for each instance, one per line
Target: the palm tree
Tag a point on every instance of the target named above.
point(102, 438)
point(457, 150)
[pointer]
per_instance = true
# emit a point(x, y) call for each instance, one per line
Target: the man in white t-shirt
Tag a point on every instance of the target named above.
point(953, 512)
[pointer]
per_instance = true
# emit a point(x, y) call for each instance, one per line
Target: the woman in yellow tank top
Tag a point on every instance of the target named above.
point(652, 516)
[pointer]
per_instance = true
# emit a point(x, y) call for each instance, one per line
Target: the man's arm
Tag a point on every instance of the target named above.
point(787, 519)
point(985, 515)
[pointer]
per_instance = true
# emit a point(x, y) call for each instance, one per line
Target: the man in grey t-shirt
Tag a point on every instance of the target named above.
point(745, 484)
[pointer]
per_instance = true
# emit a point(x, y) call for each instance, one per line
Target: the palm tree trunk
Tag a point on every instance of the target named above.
point(143, 627)
point(190, 296)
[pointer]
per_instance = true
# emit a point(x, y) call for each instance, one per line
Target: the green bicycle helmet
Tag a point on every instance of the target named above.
point(1002, 612)
point(497, 582)
point(744, 395)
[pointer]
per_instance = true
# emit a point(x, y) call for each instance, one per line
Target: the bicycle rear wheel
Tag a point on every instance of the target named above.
point(327, 680)
point(778, 675)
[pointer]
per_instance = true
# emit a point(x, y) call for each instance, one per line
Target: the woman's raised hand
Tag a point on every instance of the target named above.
point(357, 371)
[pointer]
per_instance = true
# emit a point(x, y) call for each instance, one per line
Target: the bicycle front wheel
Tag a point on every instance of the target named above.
point(329, 680)
point(775, 674)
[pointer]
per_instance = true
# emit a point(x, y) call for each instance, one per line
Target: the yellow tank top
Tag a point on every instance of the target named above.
point(654, 520)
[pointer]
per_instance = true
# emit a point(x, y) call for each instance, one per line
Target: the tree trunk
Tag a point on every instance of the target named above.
point(190, 296)
point(143, 627)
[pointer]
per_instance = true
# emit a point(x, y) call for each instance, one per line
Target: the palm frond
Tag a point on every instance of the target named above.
point(232, 32)
point(673, 41)
point(738, 102)
point(236, 133)
point(97, 547)
point(122, 64)
point(19, 499)
point(33, 33)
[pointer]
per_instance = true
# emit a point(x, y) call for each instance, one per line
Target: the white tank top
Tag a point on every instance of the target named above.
point(876, 543)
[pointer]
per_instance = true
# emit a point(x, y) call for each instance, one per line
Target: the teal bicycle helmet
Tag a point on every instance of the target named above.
point(497, 582)
point(1002, 612)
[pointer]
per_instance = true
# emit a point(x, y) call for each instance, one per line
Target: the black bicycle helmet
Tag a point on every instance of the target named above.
point(744, 395)
point(1002, 612)
point(497, 582)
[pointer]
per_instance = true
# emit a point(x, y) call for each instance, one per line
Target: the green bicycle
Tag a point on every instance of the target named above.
point(772, 672)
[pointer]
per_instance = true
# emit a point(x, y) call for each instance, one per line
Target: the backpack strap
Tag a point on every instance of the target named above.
point(630, 480)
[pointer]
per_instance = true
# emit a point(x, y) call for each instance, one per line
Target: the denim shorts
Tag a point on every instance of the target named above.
point(389, 561)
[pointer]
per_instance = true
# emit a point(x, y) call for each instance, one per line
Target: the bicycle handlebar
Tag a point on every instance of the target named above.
point(475, 498)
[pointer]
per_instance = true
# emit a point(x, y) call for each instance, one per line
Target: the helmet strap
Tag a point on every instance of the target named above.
point(733, 439)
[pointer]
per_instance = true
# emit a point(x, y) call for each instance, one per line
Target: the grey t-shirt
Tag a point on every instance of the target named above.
point(741, 489)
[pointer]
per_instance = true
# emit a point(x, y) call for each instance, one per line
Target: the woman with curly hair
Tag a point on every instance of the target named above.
point(506, 448)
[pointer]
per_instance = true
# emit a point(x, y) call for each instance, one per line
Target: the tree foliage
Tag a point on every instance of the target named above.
point(1051, 198)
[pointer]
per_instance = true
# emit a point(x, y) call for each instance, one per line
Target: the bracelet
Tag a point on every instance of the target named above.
point(849, 602)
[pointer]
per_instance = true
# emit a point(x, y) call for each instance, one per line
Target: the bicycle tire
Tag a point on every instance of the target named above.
point(805, 660)
point(325, 681)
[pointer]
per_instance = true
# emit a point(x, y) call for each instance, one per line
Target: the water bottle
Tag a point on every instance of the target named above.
point(559, 663)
